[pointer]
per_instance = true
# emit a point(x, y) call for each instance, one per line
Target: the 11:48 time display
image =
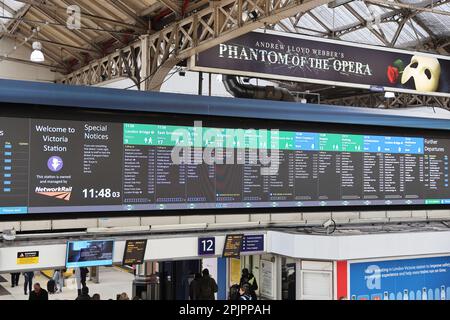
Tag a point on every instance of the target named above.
point(100, 193)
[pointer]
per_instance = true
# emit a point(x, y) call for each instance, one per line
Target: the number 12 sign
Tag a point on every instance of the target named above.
point(206, 246)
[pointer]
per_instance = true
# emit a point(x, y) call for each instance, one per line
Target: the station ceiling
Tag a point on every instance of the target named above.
point(108, 25)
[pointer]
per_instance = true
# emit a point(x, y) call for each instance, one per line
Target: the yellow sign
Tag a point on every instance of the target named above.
point(28, 257)
point(235, 271)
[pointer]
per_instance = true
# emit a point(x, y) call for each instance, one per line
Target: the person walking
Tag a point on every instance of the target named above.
point(208, 286)
point(194, 287)
point(248, 278)
point(15, 279)
point(58, 277)
point(38, 293)
point(83, 276)
point(77, 273)
point(28, 283)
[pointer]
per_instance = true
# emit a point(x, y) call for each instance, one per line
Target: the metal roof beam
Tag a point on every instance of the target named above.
point(126, 11)
point(54, 43)
point(79, 34)
point(3, 5)
point(312, 15)
point(220, 22)
point(172, 5)
point(401, 24)
point(15, 21)
point(380, 35)
point(85, 15)
point(421, 6)
point(100, 24)
point(36, 64)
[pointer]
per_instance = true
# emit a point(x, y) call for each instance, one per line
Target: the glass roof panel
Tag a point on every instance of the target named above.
point(15, 5)
point(438, 24)
point(5, 9)
point(306, 21)
point(362, 36)
point(334, 18)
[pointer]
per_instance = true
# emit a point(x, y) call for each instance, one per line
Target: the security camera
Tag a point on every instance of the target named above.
point(9, 235)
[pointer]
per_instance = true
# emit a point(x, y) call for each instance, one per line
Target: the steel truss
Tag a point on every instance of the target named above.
point(152, 58)
point(401, 100)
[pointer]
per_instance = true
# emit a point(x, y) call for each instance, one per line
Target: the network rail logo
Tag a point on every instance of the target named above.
point(62, 193)
point(227, 146)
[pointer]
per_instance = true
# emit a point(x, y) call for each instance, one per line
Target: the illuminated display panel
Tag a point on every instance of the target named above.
point(159, 164)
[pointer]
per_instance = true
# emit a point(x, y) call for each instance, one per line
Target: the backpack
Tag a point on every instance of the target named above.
point(51, 286)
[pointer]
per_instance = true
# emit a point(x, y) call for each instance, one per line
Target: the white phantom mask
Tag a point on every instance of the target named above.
point(425, 71)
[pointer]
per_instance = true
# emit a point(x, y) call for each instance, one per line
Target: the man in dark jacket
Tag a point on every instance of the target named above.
point(208, 287)
point(194, 287)
point(248, 278)
point(38, 293)
point(83, 276)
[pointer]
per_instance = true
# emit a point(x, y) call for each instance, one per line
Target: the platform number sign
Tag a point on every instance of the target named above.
point(206, 246)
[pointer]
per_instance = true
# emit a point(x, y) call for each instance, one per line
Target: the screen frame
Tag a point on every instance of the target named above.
point(125, 251)
point(103, 240)
point(20, 110)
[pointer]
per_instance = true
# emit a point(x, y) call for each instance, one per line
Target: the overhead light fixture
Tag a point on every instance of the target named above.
point(37, 55)
point(389, 95)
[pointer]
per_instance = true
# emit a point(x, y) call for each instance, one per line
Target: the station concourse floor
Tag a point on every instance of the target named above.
point(113, 281)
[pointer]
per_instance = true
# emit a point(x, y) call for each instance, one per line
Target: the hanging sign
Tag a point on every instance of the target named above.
point(293, 57)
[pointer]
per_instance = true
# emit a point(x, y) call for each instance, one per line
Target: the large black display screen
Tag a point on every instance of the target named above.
point(51, 166)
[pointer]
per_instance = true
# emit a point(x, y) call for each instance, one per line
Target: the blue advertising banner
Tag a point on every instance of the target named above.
point(409, 279)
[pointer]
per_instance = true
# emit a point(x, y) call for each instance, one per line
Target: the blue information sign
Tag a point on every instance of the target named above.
point(408, 279)
point(253, 243)
point(206, 246)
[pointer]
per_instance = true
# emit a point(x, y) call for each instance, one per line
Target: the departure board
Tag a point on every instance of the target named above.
point(232, 246)
point(134, 252)
point(62, 166)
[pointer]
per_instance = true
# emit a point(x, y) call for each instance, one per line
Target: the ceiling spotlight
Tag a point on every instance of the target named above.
point(389, 95)
point(253, 15)
point(37, 55)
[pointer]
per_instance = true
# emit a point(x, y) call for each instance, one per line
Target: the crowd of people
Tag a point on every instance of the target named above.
point(56, 284)
point(202, 287)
